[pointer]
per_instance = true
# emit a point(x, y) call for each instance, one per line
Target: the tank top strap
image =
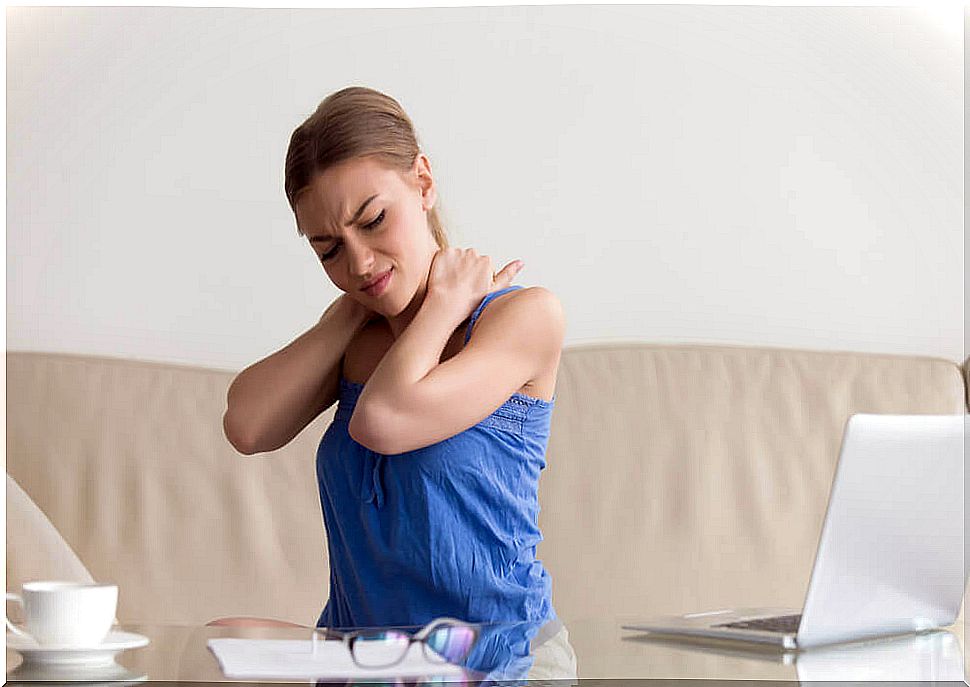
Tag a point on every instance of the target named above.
point(481, 307)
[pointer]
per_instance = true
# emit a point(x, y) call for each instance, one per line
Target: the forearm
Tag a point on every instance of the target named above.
point(272, 400)
point(412, 357)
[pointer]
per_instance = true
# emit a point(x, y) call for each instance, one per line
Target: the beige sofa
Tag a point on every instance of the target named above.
point(674, 471)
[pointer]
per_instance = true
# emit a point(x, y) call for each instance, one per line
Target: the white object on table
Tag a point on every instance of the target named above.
point(296, 658)
point(101, 654)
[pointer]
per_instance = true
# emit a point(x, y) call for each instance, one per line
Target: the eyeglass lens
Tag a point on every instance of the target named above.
point(449, 644)
point(378, 649)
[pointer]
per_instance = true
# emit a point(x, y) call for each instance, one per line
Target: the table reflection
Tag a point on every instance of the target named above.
point(179, 653)
point(110, 675)
point(931, 656)
point(926, 657)
point(501, 654)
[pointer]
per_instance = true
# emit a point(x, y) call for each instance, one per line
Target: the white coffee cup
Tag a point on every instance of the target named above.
point(68, 614)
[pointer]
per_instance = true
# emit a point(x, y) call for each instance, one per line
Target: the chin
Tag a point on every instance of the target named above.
point(386, 306)
point(394, 311)
point(391, 305)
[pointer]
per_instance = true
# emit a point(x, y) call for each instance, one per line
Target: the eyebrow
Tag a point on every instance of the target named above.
point(360, 211)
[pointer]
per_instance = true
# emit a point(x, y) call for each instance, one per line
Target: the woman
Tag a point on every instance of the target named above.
point(444, 374)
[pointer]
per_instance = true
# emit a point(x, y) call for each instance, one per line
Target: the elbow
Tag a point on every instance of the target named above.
point(237, 428)
point(237, 437)
point(370, 427)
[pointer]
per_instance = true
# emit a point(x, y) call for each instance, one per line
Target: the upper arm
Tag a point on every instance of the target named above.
point(329, 392)
point(352, 362)
point(517, 337)
point(358, 361)
point(325, 397)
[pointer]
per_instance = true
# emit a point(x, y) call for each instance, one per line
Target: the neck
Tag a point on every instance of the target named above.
point(398, 323)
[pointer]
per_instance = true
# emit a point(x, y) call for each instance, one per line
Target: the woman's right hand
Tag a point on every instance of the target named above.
point(459, 278)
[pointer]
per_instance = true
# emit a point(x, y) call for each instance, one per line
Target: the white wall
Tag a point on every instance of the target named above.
point(784, 176)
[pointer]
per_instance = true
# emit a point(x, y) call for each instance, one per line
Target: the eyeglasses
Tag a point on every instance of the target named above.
point(443, 640)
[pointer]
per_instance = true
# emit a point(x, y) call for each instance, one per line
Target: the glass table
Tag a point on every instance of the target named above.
point(605, 650)
point(179, 653)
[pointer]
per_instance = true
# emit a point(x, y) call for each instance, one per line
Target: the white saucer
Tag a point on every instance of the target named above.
point(111, 675)
point(102, 654)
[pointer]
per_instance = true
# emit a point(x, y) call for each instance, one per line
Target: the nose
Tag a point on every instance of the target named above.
point(360, 257)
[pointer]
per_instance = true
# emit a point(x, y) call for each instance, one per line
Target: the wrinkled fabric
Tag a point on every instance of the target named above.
point(446, 530)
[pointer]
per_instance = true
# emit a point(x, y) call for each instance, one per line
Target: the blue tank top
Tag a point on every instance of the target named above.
point(446, 530)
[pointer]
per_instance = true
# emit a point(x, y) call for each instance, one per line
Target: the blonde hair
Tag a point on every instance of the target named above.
point(350, 123)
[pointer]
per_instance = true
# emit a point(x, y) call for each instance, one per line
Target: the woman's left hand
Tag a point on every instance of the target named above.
point(460, 278)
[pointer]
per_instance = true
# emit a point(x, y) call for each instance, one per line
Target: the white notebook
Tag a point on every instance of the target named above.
point(294, 658)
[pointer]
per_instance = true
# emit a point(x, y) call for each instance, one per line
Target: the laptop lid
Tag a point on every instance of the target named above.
point(891, 553)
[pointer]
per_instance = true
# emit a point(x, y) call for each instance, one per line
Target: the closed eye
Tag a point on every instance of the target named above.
point(378, 220)
point(332, 253)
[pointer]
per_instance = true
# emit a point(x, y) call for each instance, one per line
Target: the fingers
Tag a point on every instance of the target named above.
point(450, 263)
point(507, 274)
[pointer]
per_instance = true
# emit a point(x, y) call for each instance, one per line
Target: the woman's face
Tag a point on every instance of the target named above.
point(364, 221)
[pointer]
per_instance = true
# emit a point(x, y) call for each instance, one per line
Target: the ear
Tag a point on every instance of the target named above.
point(426, 185)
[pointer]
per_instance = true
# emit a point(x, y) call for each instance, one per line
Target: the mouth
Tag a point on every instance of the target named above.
point(377, 285)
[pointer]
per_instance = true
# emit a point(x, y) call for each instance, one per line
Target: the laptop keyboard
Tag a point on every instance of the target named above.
point(782, 623)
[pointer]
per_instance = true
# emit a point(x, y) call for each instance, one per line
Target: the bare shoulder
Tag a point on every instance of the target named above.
point(533, 318)
point(535, 310)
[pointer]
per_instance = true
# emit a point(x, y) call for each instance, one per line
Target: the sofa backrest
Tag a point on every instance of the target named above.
point(129, 461)
point(700, 475)
point(673, 471)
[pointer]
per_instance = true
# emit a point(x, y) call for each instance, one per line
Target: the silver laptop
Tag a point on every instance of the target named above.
point(890, 558)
